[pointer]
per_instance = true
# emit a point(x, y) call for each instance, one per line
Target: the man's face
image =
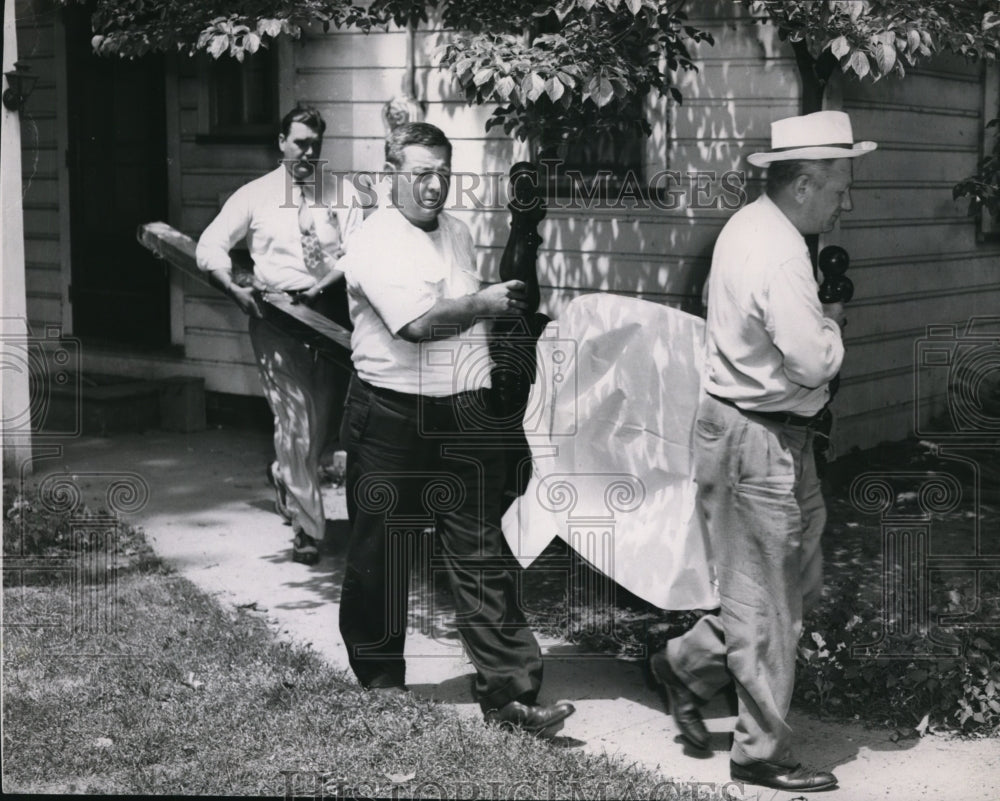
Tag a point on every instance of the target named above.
point(300, 150)
point(828, 194)
point(420, 184)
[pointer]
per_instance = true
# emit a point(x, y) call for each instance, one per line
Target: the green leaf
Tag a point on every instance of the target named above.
point(885, 57)
point(554, 88)
point(218, 45)
point(859, 63)
point(840, 47)
point(505, 86)
point(600, 91)
point(483, 76)
point(532, 86)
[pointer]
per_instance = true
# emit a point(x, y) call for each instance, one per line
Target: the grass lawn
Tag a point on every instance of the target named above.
point(185, 697)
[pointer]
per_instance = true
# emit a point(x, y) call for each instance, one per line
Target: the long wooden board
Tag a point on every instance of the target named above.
point(308, 325)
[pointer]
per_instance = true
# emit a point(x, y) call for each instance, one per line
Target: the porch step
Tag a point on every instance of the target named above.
point(101, 405)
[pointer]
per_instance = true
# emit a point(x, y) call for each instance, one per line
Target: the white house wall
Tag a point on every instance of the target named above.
point(46, 240)
point(915, 256)
point(915, 259)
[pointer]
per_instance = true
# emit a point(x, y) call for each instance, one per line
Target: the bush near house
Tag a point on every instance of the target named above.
point(959, 693)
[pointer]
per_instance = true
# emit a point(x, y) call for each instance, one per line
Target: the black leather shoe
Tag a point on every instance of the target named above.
point(305, 550)
point(544, 721)
point(683, 703)
point(782, 777)
point(280, 494)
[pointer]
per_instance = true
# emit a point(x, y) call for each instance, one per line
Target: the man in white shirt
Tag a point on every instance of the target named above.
point(420, 452)
point(294, 227)
point(772, 349)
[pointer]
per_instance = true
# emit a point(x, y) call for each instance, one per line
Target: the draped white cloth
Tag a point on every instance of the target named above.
point(610, 423)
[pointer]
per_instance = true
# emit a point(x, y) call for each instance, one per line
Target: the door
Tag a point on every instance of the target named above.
point(118, 180)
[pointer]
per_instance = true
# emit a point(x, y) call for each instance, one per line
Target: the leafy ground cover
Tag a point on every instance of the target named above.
point(157, 689)
point(909, 649)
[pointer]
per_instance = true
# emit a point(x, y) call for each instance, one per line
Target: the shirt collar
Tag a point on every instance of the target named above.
point(772, 208)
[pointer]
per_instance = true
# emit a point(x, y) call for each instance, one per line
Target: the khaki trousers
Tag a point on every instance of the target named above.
point(301, 390)
point(759, 492)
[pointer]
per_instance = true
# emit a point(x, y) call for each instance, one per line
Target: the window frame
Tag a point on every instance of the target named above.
point(210, 131)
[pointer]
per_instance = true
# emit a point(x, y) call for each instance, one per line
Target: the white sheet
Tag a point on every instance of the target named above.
point(610, 422)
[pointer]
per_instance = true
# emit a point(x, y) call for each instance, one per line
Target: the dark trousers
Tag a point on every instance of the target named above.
point(412, 463)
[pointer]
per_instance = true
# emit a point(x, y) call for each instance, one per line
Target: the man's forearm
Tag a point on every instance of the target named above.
point(222, 279)
point(445, 318)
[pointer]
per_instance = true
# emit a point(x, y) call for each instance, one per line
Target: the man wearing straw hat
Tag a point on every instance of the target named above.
point(772, 349)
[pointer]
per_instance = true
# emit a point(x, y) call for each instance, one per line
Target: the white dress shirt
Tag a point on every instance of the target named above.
point(265, 212)
point(769, 347)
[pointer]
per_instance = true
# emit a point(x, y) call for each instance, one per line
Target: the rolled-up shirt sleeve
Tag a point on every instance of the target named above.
point(811, 346)
point(223, 234)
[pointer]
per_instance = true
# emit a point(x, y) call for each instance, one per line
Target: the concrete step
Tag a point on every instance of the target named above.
point(102, 405)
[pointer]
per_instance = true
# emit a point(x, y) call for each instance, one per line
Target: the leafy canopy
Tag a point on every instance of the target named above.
point(553, 69)
point(557, 69)
point(875, 38)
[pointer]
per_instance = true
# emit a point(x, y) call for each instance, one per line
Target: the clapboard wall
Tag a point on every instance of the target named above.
point(915, 255)
point(46, 229)
point(916, 261)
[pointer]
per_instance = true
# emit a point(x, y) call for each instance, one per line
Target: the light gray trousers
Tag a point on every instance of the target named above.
point(300, 390)
point(760, 494)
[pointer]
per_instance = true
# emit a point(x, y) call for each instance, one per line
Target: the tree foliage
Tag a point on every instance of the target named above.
point(983, 188)
point(875, 38)
point(574, 67)
point(554, 69)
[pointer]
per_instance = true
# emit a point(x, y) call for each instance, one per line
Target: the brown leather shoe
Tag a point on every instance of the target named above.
point(782, 777)
point(543, 721)
point(683, 703)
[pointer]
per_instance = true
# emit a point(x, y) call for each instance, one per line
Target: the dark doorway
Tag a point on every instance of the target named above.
point(118, 180)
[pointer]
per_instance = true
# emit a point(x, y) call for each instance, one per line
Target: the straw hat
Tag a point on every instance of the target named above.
point(823, 135)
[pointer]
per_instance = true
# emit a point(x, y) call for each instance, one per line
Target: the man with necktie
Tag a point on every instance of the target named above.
point(294, 228)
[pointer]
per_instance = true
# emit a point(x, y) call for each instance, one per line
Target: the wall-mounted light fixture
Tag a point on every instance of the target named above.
point(20, 83)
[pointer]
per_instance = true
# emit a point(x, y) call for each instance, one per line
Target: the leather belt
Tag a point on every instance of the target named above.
point(472, 397)
point(785, 418)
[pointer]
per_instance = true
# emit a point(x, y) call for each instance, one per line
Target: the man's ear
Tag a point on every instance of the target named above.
point(801, 187)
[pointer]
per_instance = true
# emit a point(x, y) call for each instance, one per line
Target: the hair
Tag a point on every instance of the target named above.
point(413, 133)
point(783, 173)
point(307, 115)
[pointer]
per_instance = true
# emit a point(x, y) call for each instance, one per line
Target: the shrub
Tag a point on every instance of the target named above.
point(33, 528)
point(30, 529)
point(960, 693)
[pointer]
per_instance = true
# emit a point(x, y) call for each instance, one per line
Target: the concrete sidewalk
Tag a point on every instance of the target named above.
point(209, 513)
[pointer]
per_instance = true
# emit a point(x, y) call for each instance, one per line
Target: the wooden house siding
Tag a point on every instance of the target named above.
point(46, 240)
point(915, 256)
